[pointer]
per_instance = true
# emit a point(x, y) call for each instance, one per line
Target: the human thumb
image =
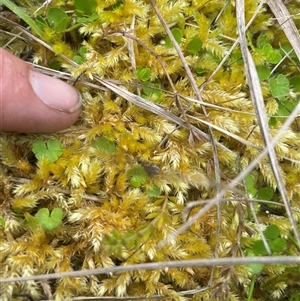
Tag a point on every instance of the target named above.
point(31, 102)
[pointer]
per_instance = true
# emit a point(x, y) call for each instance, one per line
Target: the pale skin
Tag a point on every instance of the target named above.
point(31, 102)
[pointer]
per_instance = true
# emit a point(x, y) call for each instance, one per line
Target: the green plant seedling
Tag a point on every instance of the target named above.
point(131, 239)
point(80, 58)
point(285, 108)
point(41, 22)
point(152, 90)
point(249, 181)
point(105, 145)
point(265, 193)
point(154, 191)
point(272, 232)
point(177, 34)
point(262, 40)
point(49, 221)
point(279, 86)
point(143, 74)
point(138, 175)
point(255, 268)
point(58, 19)
point(263, 72)
point(277, 244)
point(51, 150)
point(87, 7)
point(194, 46)
point(273, 56)
point(89, 19)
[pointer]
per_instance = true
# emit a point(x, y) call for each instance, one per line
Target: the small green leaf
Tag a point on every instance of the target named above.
point(263, 72)
point(255, 268)
point(271, 55)
point(78, 59)
point(262, 40)
point(39, 148)
point(58, 19)
point(278, 245)
point(137, 170)
point(194, 46)
point(279, 86)
point(154, 192)
point(272, 232)
point(57, 216)
point(85, 6)
point(265, 193)
point(249, 181)
point(89, 19)
point(258, 248)
point(105, 145)
point(41, 22)
point(49, 222)
point(143, 74)
point(153, 91)
point(177, 34)
point(285, 108)
point(138, 175)
point(200, 71)
point(137, 181)
point(274, 57)
point(51, 150)
point(83, 50)
point(129, 242)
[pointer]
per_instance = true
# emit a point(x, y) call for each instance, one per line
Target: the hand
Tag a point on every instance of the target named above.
point(31, 102)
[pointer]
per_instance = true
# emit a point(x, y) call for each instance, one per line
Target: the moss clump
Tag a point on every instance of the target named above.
point(127, 178)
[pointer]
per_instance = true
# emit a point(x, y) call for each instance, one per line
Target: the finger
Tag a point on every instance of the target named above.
point(31, 102)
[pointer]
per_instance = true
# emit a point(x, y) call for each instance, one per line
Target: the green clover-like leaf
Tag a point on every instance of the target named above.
point(49, 221)
point(249, 181)
point(272, 232)
point(278, 245)
point(263, 72)
point(265, 193)
point(85, 6)
point(279, 86)
point(143, 74)
point(194, 46)
point(50, 150)
point(58, 19)
point(138, 175)
point(105, 145)
point(177, 34)
point(154, 191)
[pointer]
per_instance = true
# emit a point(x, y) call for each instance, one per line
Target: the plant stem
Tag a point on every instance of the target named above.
point(251, 288)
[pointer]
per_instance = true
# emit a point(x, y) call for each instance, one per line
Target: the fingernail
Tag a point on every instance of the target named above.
point(55, 93)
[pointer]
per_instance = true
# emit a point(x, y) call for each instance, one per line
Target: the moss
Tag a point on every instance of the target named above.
point(110, 219)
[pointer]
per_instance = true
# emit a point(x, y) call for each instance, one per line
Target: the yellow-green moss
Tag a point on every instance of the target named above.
point(93, 188)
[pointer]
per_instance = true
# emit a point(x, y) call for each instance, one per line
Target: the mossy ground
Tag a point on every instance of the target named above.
point(130, 176)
